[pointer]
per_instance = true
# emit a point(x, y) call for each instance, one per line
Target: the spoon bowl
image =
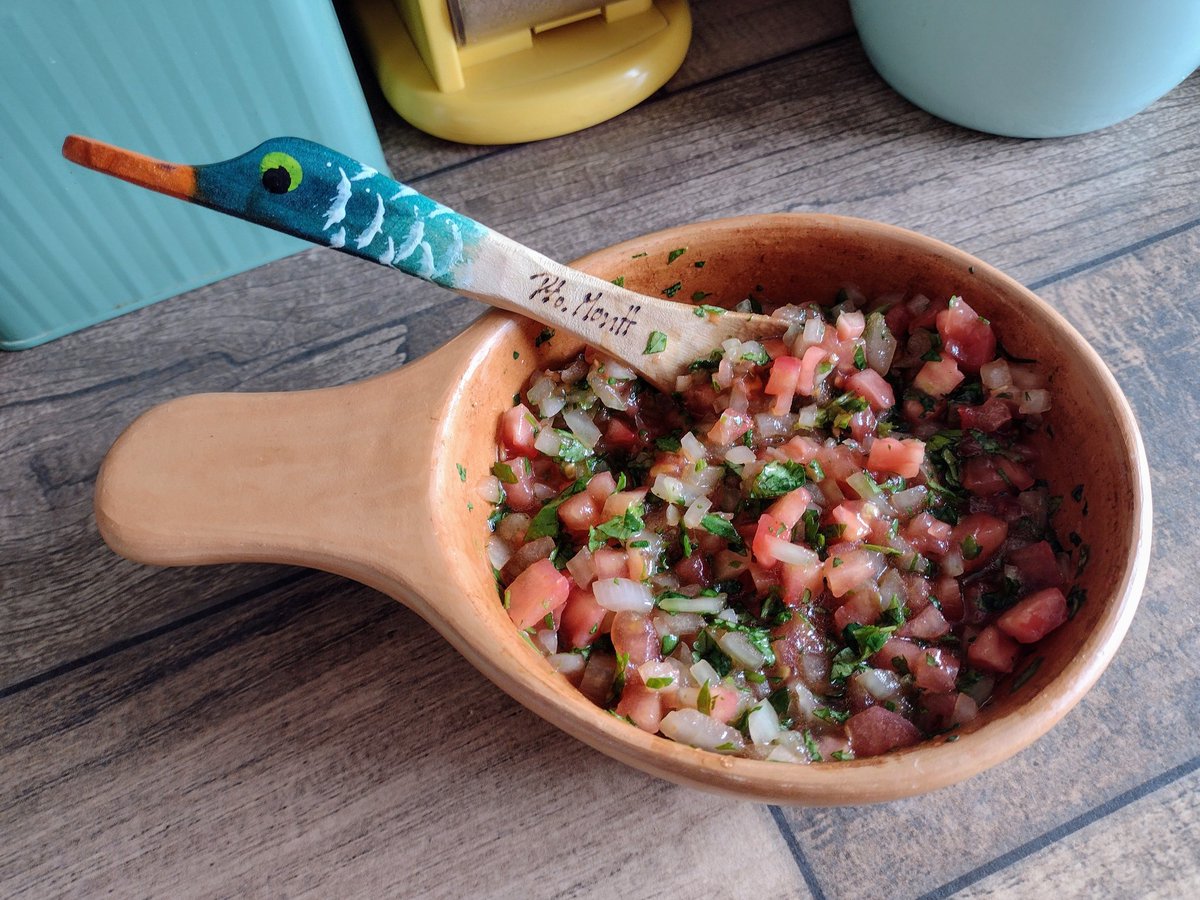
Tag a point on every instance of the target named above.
point(377, 481)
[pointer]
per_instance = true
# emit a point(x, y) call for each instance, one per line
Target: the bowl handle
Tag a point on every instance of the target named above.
point(335, 479)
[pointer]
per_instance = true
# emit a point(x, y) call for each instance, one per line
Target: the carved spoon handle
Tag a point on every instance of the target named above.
point(310, 191)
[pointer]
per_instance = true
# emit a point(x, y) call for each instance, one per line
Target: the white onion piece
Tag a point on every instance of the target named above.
point(540, 390)
point(782, 754)
point(891, 584)
point(793, 554)
point(546, 641)
point(1025, 377)
point(544, 492)
point(489, 489)
point(677, 623)
point(671, 489)
point(701, 481)
point(732, 348)
point(552, 405)
point(769, 426)
point(549, 442)
point(723, 377)
point(696, 512)
point(910, 501)
point(728, 615)
point(752, 349)
point(879, 683)
point(918, 304)
point(582, 427)
point(607, 394)
point(739, 455)
point(694, 728)
point(952, 564)
point(619, 371)
point(763, 723)
point(1034, 401)
point(623, 595)
point(879, 343)
point(673, 516)
point(655, 669)
point(703, 671)
point(707, 605)
point(863, 485)
point(582, 568)
point(567, 663)
point(807, 417)
point(683, 384)
point(692, 448)
point(813, 334)
point(498, 552)
point(995, 375)
point(740, 650)
point(806, 701)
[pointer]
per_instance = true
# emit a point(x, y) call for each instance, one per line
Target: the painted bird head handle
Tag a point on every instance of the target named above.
point(312, 192)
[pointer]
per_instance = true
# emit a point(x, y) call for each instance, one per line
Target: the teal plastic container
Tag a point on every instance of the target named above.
point(1031, 68)
point(190, 82)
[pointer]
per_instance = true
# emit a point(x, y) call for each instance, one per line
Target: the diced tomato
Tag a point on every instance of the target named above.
point(1035, 616)
point(633, 634)
point(862, 426)
point(791, 506)
point(518, 430)
point(981, 477)
point(1014, 474)
point(928, 534)
point(966, 335)
point(725, 702)
point(1037, 566)
point(797, 578)
point(990, 416)
point(601, 485)
point(539, 591)
point(849, 516)
point(942, 711)
point(581, 618)
point(993, 651)
point(988, 534)
point(731, 426)
point(850, 325)
point(870, 385)
point(610, 563)
point(806, 383)
point(904, 457)
point(619, 502)
point(642, 705)
point(801, 449)
point(618, 435)
point(579, 512)
point(785, 372)
point(695, 569)
point(839, 463)
point(770, 531)
point(936, 669)
point(928, 625)
point(949, 594)
point(898, 649)
point(937, 379)
point(877, 730)
point(862, 608)
point(845, 571)
point(519, 494)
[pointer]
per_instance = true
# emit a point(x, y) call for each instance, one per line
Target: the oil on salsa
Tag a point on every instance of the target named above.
point(821, 547)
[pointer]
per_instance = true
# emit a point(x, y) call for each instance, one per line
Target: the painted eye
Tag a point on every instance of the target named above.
point(280, 173)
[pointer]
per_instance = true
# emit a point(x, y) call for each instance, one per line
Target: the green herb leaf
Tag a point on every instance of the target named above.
point(842, 755)
point(776, 479)
point(619, 281)
point(673, 289)
point(697, 296)
point(462, 472)
point(546, 520)
point(547, 334)
point(570, 448)
point(810, 744)
point(704, 310)
point(668, 643)
point(836, 716)
point(970, 547)
point(860, 357)
point(504, 472)
point(660, 682)
point(675, 254)
point(656, 343)
point(619, 528)
point(721, 527)
point(704, 701)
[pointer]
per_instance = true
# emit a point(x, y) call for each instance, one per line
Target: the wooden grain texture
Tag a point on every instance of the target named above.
point(322, 741)
point(260, 731)
point(1124, 854)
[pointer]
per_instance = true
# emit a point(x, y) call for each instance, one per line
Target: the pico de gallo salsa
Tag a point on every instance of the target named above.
point(821, 547)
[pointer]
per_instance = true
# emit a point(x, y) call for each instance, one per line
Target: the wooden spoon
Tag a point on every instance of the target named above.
point(377, 481)
point(307, 190)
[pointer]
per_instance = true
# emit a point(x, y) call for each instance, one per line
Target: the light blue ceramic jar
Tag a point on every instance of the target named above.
point(1031, 68)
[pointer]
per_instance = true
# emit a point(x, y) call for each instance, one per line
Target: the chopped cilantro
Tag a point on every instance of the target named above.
point(1077, 493)
point(546, 520)
point(619, 281)
point(697, 296)
point(462, 472)
point(879, 548)
point(842, 755)
point(668, 643)
point(970, 547)
point(503, 471)
point(1028, 672)
point(810, 744)
point(686, 542)
point(570, 448)
point(721, 527)
point(660, 682)
point(672, 290)
point(860, 357)
point(776, 479)
point(547, 334)
point(668, 443)
point(699, 264)
point(675, 254)
point(704, 701)
point(656, 343)
point(836, 716)
point(619, 528)
point(704, 309)
point(1076, 597)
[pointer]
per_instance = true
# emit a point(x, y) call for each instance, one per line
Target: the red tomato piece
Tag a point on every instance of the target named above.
point(806, 383)
point(904, 457)
point(724, 702)
point(993, 651)
point(928, 534)
point(601, 485)
point(796, 578)
point(731, 426)
point(850, 325)
point(987, 532)
point(785, 372)
point(770, 530)
point(518, 430)
point(1014, 474)
point(966, 335)
point(871, 386)
point(642, 705)
point(1035, 616)
point(937, 379)
point(791, 506)
point(990, 416)
point(633, 634)
point(928, 625)
point(981, 477)
point(581, 618)
point(619, 435)
point(610, 563)
point(539, 591)
point(849, 516)
point(845, 571)
point(519, 494)
point(579, 512)
point(935, 669)
point(1037, 566)
point(876, 730)
point(862, 608)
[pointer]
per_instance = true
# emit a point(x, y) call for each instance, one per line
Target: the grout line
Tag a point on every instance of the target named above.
point(1081, 821)
point(1113, 254)
point(789, 838)
point(132, 641)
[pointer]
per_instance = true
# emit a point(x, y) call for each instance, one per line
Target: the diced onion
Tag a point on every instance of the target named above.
point(696, 512)
point(618, 371)
point(546, 640)
point(703, 671)
point(623, 595)
point(659, 669)
point(910, 501)
point(673, 516)
point(567, 663)
point(863, 485)
point(793, 554)
point(552, 405)
point(806, 700)
point(692, 448)
point(879, 343)
point(498, 552)
point(995, 375)
point(763, 723)
point(608, 394)
point(581, 567)
point(694, 728)
point(813, 334)
point(540, 390)
point(1034, 401)
point(670, 488)
point(879, 683)
point(740, 650)
point(807, 417)
point(677, 623)
point(548, 442)
point(739, 455)
point(708, 605)
point(769, 426)
point(785, 755)
point(1025, 377)
point(582, 427)
point(489, 489)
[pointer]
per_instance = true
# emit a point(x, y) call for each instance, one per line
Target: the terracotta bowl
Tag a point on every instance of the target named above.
point(364, 481)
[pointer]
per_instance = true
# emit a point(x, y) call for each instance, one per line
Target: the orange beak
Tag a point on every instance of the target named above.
point(166, 178)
